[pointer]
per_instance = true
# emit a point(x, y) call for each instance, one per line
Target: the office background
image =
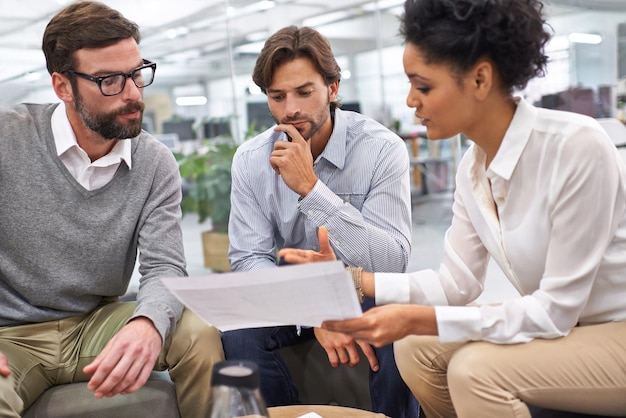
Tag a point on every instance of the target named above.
point(205, 50)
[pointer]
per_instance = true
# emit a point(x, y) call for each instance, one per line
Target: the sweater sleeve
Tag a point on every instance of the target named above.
point(160, 243)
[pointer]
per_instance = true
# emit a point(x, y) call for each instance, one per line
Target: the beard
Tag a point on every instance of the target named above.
point(316, 121)
point(106, 124)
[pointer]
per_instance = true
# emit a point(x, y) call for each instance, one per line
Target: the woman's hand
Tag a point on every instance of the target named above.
point(382, 325)
point(297, 256)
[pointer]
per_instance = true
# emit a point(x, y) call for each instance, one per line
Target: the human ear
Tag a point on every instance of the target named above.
point(62, 87)
point(333, 89)
point(483, 78)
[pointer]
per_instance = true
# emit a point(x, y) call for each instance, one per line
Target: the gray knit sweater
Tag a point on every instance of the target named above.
point(64, 249)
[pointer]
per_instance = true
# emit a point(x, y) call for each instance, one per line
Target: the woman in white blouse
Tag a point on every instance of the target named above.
point(543, 193)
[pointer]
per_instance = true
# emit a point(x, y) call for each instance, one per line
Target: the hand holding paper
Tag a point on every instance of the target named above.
point(304, 294)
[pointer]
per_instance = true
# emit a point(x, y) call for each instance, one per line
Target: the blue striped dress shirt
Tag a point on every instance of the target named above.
point(362, 196)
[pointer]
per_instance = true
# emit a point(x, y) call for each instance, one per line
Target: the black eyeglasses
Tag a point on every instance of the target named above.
point(112, 84)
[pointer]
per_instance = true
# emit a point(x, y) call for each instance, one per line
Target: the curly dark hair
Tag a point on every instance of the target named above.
point(510, 33)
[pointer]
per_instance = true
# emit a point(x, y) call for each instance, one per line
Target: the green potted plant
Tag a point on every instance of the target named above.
point(207, 182)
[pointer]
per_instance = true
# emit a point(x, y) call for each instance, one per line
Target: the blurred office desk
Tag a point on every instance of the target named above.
point(433, 172)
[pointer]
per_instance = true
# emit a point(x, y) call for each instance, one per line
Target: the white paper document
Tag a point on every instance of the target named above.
point(303, 294)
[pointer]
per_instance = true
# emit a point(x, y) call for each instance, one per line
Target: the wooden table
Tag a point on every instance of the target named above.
point(325, 411)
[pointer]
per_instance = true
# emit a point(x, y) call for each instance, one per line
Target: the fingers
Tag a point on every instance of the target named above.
point(370, 354)
point(336, 326)
point(292, 133)
point(125, 363)
point(324, 241)
point(4, 365)
point(117, 375)
point(298, 256)
point(340, 348)
point(353, 355)
point(294, 255)
point(343, 355)
point(333, 358)
point(107, 371)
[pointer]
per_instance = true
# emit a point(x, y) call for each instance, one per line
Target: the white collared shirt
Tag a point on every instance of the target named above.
point(551, 211)
point(91, 175)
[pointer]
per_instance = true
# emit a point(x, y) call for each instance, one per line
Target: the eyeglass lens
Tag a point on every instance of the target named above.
point(114, 83)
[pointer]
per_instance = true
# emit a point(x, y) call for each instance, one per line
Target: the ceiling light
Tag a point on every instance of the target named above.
point(256, 36)
point(191, 100)
point(175, 33)
point(259, 6)
point(250, 48)
point(558, 43)
point(254, 89)
point(585, 38)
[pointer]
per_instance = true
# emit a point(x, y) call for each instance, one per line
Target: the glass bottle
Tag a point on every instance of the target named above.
point(235, 387)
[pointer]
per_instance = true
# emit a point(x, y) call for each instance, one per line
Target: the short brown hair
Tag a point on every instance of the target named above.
point(290, 43)
point(85, 24)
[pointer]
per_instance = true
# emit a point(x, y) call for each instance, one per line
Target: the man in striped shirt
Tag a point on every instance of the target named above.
point(319, 166)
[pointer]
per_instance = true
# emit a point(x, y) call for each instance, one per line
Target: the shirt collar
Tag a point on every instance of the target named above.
point(515, 139)
point(64, 138)
point(335, 150)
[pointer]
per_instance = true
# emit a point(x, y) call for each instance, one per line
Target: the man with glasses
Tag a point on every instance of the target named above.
point(84, 191)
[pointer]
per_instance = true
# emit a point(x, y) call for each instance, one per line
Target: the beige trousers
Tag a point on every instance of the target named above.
point(583, 372)
point(53, 353)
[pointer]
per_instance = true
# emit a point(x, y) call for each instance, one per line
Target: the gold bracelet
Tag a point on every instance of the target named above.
point(356, 278)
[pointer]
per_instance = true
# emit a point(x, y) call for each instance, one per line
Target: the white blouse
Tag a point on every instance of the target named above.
point(550, 209)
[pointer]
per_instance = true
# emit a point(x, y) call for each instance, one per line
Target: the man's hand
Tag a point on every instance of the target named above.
point(341, 349)
point(297, 256)
point(4, 365)
point(294, 161)
point(124, 365)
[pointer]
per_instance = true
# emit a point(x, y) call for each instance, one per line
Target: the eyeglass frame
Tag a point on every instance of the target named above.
point(98, 79)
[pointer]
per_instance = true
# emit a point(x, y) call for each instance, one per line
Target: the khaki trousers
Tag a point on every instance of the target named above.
point(583, 372)
point(53, 353)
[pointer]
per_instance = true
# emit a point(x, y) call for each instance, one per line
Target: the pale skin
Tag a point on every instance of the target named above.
point(299, 100)
point(125, 363)
point(447, 103)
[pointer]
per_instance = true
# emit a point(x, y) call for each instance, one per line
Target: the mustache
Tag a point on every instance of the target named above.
point(292, 119)
point(131, 107)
